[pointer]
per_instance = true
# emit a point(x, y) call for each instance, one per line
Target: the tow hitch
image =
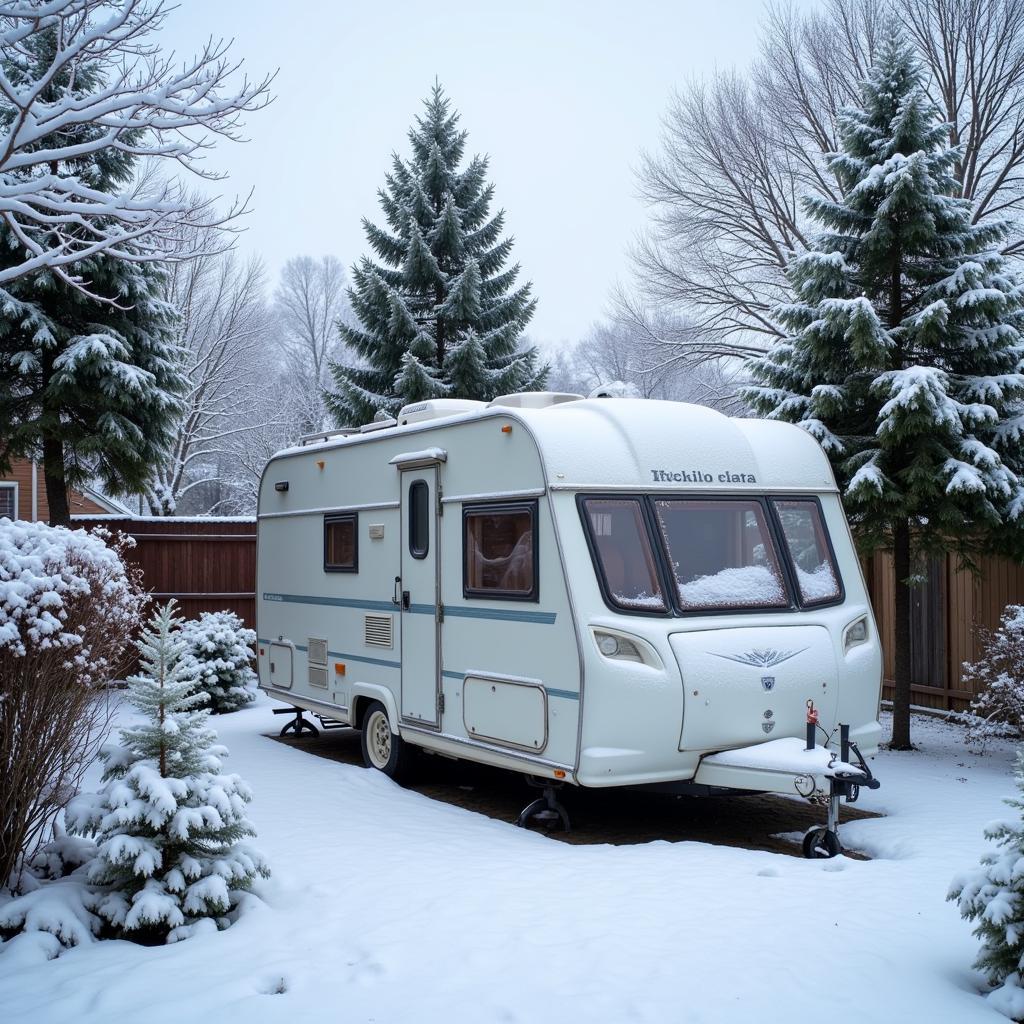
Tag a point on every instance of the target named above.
point(823, 842)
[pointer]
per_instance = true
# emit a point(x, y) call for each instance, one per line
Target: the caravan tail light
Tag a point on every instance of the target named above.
point(855, 634)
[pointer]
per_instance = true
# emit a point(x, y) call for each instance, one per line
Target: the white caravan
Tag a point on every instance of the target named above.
point(597, 592)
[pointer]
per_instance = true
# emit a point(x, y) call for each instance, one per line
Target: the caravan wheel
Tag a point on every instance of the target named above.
point(382, 749)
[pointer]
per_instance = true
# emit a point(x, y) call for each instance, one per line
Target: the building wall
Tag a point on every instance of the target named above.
point(21, 473)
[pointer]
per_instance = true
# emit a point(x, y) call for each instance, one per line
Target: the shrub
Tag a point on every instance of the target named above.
point(222, 649)
point(999, 675)
point(68, 609)
point(993, 896)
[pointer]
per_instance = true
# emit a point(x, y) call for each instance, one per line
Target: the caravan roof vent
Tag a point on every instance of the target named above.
point(535, 399)
point(436, 408)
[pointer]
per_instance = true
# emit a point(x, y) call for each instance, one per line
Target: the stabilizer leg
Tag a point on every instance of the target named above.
point(298, 724)
point(546, 808)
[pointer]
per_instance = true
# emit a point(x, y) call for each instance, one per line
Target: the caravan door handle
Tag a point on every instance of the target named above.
point(405, 600)
point(394, 593)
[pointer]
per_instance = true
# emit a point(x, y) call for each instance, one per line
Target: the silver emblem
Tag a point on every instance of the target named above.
point(768, 682)
point(768, 724)
point(761, 659)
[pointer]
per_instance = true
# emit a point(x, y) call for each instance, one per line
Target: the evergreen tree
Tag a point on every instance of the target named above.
point(88, 383)
point(440, 314)
point(167, 823)
point(904, 353)
point(221, 650)
point(993, 895)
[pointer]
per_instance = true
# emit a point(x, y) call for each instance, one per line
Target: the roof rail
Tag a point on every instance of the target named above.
point(326, 435)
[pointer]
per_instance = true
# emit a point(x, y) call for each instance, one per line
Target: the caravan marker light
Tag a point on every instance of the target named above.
point(856, 634)
point(507, 428)
point(339, 668)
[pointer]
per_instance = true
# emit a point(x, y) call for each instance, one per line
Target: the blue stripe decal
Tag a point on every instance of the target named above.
point(368, 661)
point(455, 611)
point(567, 694)
point(459, 676)
point(335, 602)
point(498, 614)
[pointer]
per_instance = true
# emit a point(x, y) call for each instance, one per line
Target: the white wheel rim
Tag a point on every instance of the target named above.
point(379, 740)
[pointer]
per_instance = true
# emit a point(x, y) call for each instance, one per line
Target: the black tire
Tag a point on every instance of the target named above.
point(821, 844)
point(383, 749)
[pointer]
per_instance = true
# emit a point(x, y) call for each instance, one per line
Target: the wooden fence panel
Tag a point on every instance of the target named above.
point(206, 564)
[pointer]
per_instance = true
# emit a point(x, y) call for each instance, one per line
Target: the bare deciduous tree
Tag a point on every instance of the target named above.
point(224, 330)
point(739, 152)
point(149, 106)
point(310, 301)
point(647, 354)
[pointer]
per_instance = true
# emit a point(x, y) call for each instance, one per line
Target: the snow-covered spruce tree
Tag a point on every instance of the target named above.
point(998, 678)
point(168, 825)
point(904, 354)
point(993, 896)
point(221, 650)
point(88, 386)
point(440, 315)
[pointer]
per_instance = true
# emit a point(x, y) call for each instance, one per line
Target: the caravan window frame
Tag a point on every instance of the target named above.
point(496, 508)
point(795, 602)
point(607, 592)
point(332, 518)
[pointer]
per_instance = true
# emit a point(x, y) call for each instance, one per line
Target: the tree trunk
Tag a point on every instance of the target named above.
point(56, 488)
point(901, 682)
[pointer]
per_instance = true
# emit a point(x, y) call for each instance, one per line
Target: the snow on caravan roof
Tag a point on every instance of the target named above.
point(636, 442)
point(628, 442)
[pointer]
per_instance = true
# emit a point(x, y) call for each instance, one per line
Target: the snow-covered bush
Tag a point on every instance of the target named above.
point(993, 895)
point(221, 649)
point(68, 609)
point(168, 824)
point(999, 676)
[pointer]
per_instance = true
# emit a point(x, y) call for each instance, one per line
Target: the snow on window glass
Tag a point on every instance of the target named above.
point(808, 547)
point(624, 551)
point(722, 554)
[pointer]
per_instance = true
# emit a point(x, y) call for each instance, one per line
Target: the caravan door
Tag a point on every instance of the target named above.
point(421, 595)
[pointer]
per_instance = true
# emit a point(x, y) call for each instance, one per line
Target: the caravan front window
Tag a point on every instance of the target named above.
point(623, 548)
point(809, 549)
point(721, 554)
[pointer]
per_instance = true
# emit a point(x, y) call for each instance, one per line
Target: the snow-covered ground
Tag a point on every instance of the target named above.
point(387, 906)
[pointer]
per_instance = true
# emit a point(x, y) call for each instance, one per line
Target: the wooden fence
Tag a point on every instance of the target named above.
point(946, 612)
point(206, 564)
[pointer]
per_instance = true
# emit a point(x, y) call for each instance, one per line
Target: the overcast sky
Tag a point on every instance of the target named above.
point(562, 96)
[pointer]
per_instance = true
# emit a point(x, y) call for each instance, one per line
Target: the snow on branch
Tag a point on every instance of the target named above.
point(146, 106)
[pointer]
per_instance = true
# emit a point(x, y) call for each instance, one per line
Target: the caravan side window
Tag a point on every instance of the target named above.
point(499, 551)
point(341, 546)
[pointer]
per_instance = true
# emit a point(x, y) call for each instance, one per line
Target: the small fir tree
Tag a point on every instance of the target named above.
point(904, 354)
point(89, 383)
point(168, 825)
point(993, 896)
point(440, 314)
point(221, 651)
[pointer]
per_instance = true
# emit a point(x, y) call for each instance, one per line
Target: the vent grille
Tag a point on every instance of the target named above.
point(378, 631)
point(317, 676)
point(317, 650)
